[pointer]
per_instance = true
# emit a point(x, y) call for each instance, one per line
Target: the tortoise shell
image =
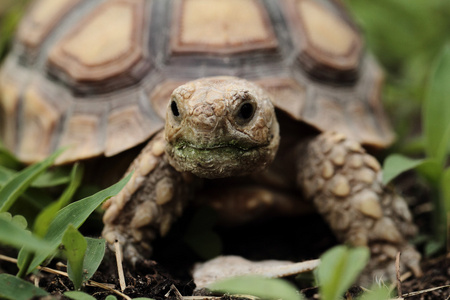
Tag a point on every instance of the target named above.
point(97, 75)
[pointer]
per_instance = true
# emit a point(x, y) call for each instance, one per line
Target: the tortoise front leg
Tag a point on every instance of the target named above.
point(345, 185)
point(155, 195)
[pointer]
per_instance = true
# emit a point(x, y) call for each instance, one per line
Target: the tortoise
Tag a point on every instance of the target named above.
point(204, 88)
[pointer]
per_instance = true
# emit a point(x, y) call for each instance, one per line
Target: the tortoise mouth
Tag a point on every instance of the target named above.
point(218, 160)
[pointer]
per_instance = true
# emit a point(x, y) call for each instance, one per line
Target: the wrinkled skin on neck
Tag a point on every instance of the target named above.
point(219, 127)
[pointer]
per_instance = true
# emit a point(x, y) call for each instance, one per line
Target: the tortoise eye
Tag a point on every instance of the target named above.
point(174, 108)
point(246, 112)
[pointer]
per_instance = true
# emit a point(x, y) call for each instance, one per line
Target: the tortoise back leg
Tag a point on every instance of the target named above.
point(344, 182)
point(155, 195)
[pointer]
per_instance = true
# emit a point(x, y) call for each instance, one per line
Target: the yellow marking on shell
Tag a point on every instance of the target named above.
point(104, 38)
point(164, 191)
point(365, 175)
point(9, 100)
point(372, 163)
point(82, 137)
point(40, 120)
point(340, 186)
point(327, 170)
point(367, 203)
point(158, 148)
point(224, 25)
point(124, 130)
point(325, 30)
point(39, 21)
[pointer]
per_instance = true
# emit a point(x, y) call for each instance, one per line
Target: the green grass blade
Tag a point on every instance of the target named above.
point(436, 110)
point(395, 164)
point(51, 178)
point(76, 295)
point(339, 267)
point(265, 288)
point(12, 233)
point(94, 256)
point(75, 248)
point(75, 213)
point(45, 217)
point(15, 288)
point(5, 175)
point(17, 184)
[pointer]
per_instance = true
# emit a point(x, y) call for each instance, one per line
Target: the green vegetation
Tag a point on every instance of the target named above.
point(58, 224)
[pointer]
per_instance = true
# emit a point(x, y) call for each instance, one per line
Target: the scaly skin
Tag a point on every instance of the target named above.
point(210, 136)
point(225, 126)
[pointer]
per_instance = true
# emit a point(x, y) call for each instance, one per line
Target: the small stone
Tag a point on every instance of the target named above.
point(368, 204)
point(340, 186)
point(337, 155)
point(327, 170)
point(158, 148)
point(372, 163)
point(164, 191)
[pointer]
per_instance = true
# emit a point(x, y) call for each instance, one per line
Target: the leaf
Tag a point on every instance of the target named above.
point(94, 256)
point(15, 288)
point(395, 164)
point(75, 248)
point(18, 183)
point(111, 297)
point(445, 186)
point(75, 213)
point(45, 217)
point(7, 159)
point(15, 235)
point(76, 295)
point(51, 178)
point(266, 288)
point(338, 269)
point(5, 174)
point(436, 110)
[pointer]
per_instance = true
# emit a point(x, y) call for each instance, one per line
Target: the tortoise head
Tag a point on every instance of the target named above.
point(219, 127)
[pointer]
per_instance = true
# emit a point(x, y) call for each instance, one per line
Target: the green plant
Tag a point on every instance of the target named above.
point(55, 225)
point(338, 270)
point(436, 123)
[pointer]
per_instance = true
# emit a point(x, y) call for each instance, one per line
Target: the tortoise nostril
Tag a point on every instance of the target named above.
point(174, 108)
